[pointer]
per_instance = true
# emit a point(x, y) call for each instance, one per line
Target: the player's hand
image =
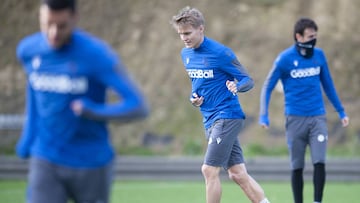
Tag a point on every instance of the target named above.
point(264, 121)
point(345, 121)
point(77, 107)
point(265, 126)
point(196, 100)
point(231, 85)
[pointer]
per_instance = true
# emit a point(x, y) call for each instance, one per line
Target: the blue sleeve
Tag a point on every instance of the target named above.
point(24, 144)
point(267, 88)
point(233, 67)
point(131, 104)
point(329, 89)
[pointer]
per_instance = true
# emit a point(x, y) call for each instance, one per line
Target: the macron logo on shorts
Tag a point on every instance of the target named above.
point(218, 140)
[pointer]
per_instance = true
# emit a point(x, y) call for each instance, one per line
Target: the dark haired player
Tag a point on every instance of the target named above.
point(65, 134)
point(303, 71)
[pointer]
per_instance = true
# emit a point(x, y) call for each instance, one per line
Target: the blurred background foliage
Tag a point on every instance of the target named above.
point(139, 30)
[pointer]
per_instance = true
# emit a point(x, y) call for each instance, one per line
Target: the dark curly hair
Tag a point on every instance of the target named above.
point(302, 24)
point(60, 4)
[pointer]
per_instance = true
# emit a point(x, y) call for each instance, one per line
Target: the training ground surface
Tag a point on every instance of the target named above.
point(193, 192)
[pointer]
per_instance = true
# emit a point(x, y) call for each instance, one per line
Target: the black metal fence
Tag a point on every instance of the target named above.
point(188, 169)
point(11, 121)
point(183, 168)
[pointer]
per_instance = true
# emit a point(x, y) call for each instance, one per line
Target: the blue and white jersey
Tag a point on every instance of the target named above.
point(209, 67)
point(303, 80)
point(81, 70)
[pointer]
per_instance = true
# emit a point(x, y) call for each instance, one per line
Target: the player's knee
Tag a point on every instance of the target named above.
point(239, 176)
point(210, 171)
point(319, 161)
point(319, 166)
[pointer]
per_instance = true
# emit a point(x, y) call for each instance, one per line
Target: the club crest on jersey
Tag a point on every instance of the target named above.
point(36, 62)
point(296, 63)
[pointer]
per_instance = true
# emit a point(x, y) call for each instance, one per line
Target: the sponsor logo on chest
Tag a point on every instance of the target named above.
point(305, 72)
point(199, 73)
point(58, 83)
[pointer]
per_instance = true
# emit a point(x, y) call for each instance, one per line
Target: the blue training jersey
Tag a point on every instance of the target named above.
point(81, 70)
point(209, 67)
point(303, 80)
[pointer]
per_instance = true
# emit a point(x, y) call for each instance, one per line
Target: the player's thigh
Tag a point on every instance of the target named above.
point(221, 138)
point(44, 185)
point(318, 139)
point(92, 185)
point(236, 156)
point(297, 132)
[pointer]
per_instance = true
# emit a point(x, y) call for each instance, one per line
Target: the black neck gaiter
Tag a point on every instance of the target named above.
point(306, 49)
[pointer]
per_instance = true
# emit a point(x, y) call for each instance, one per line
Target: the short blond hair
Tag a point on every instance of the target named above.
point(188, 16)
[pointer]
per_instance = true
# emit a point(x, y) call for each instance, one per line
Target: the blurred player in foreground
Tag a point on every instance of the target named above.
point(65, 134)
point(217, 76)
point(303, 71)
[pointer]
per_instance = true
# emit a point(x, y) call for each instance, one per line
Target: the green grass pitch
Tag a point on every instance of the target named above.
point(194, 192)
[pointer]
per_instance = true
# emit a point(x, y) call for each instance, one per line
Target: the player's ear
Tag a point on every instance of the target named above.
point(202, 28)
point(75, 17)
point(298, 37)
